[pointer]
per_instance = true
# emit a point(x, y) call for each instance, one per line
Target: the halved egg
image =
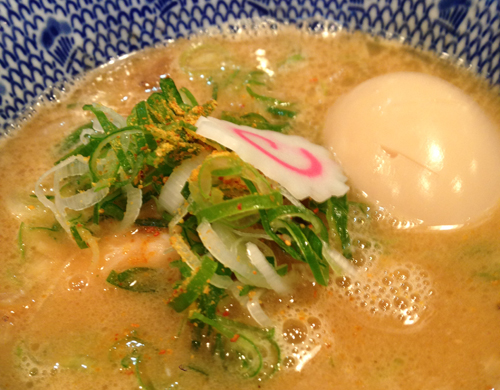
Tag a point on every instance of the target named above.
point(417, 146)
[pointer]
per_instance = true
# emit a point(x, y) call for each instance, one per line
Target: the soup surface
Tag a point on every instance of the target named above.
point(421, 313)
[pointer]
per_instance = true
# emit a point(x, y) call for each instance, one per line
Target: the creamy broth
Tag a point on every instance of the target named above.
point(59, 317)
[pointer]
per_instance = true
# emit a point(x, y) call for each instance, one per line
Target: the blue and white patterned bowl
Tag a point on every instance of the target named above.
point(44, 42)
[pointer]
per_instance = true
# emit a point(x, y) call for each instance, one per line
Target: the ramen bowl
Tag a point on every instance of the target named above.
point(408, 300)
point(45, 43)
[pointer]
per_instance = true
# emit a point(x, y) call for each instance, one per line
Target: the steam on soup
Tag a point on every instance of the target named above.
point(97, 292)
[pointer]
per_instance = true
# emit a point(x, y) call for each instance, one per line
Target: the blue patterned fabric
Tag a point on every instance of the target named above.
point(43, 42)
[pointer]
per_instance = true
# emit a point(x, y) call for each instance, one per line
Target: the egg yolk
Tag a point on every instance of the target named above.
point(418, 147)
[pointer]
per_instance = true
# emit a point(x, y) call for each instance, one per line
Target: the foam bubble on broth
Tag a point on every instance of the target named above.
point(302, 332)
point(403, 293)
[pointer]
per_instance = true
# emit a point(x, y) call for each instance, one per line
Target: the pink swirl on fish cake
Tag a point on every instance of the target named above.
point(315, 168)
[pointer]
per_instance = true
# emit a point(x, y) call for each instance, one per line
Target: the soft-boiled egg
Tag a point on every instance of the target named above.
point(418, 147)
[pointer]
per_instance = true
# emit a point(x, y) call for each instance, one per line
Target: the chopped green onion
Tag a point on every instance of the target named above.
point(254, 120)
point(208, 302)
point(133, 207)
point(106, 124)
point(103, 165)
point(74, 138)
point(246, 289)
point(242, 221)
point(131, 352)
point(140, 279)
point(140, 116)
point(268, 100)
point(219, 165)
point(260, 339)
point(190, 235)
point(215, 88)
point(336, 215)
point(214, 324)
point(182, 267)
point(270, 232)
point(309, 250)
point(197, 369)
point(20, 242)
point(55, 228)
point(172, 195)
point(159, 223)
point(159, 108)
point(281, 112)
point(269, 273)
point(78, 238)
point(247, 355)
point(219, 347)
point(189, 96)
point(239, 206)
point(112, 210)
point(291, 60)
point(50, 197)
point(225, 164)
point(282, 270)
point(170, 90)
point(256, 77)
point(96, 215)
point(108, 207)
point(195, 285)
point(83, 150)
point(290, 211)
point(185, 191)
point(215, 91)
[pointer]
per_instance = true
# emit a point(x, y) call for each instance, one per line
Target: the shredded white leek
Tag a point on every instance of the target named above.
point(221, 281)
point(256, 311)
point(134, 204)
point(184, 251)
point(93, 244)
point(254, 233)
point(337, 261)
point(292, 199)
point(83, 135)
point(252, 304)
point(97, 126)
point(72, 166)
point(215, 238)
point(187, 255)
point(267, 270)
point(80, 201)
point(170, 197)
point(178, 216)
point(118, 120)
